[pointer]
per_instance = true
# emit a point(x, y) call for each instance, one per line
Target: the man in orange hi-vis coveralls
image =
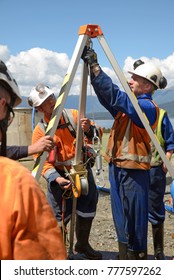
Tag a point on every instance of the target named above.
point(28, 228)
point(43, 99)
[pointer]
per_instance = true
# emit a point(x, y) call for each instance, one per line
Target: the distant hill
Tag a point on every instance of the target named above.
point(24, 103)
point(164, 95)
point(164, 98)
point(92, 106)
point(169, 107)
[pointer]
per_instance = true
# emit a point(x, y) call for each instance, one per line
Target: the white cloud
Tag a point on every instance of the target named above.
point(4, 53)
point(41, 65)
point(166, 65)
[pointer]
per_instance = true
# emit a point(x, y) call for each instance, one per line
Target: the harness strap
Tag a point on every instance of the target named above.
point(69, 121)
point(64, 229)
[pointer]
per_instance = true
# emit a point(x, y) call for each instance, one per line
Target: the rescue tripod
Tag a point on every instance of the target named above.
point(78, 173)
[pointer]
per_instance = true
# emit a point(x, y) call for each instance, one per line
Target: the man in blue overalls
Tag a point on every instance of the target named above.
point(129, 151)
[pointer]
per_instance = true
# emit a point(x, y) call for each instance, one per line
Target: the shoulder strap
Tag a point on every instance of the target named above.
point(70, 122)
point(43, 125)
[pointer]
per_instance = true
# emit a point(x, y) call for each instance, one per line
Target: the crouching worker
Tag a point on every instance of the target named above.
point(43, 99)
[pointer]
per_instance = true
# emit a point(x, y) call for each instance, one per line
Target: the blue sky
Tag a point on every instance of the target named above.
point(133, 29)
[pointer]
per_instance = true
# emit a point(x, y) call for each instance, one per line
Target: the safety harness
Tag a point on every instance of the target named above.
point(69, 122)
point(88, 154)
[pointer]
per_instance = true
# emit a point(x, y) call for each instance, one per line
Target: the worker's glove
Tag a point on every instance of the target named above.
point(89, 56)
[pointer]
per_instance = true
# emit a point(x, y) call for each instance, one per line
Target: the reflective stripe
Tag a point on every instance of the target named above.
point(156, 159)
point(66, 162)
point(145, 159)
point(125, 142)
point(49, 172)
point(125, 147)
point(158, 132)
point(86, 215)
point(128, 144)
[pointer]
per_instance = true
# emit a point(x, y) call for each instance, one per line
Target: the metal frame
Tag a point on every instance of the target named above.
point(134, 101)
point(85, 34)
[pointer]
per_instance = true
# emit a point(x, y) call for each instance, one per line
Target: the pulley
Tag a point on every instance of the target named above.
point(78, 178)
point(98, 160)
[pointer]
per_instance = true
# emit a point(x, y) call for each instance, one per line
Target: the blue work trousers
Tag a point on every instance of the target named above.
point(156, 195)
point(62, 208)
point(129, 202)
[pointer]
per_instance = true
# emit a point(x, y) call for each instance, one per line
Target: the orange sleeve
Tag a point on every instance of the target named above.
point(29, 229)
point(75, 114)
point(37, 134)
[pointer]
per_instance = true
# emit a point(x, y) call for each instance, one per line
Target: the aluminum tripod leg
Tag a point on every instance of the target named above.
point(59, 106)
point(79, 139)
point(94, 31)
point(134, 101)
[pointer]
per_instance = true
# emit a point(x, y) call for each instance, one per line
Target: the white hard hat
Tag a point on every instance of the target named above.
point(38, 95)
point(10, 84)
point(150, 72)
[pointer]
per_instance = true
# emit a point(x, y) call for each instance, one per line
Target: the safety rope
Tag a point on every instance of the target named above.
point(96, 142)
point(67, 194)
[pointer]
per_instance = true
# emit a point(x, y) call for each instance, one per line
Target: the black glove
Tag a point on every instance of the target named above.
point(89, 56)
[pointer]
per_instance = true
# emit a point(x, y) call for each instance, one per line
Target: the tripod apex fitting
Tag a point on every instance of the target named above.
point(92, 30)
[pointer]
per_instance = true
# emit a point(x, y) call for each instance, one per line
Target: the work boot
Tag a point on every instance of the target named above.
point(83, 228)
point(137, 255)
point(122, 247)
point(158, 241)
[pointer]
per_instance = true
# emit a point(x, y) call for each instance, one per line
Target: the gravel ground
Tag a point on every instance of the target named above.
point(103, 236)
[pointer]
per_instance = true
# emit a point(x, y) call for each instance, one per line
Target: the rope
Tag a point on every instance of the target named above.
point(96, 140)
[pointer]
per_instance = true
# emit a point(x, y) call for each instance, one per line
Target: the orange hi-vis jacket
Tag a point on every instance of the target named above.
point(129, 145)
point(28, 228)
point(64, 143)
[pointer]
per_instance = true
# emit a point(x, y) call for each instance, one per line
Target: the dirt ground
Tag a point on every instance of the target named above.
point(103, 236)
